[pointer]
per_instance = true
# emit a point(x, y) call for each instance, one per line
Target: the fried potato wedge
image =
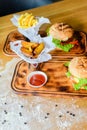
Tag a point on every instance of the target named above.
point(31, 49)
point(26, 52)
point(26, 44)
point(35, 45)
point(38, 49)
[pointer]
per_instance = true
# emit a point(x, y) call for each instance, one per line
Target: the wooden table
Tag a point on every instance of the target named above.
point(75, 116)
point(72, 12)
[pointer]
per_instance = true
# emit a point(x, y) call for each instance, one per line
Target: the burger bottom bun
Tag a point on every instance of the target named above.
point(78, 67)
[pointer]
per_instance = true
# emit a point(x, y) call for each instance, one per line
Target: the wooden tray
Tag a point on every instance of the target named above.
point(57, 84)
point(56, 54)
point(13, 36)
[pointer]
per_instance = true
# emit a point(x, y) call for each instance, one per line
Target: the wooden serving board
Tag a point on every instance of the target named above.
point(12, 36)
point(56, 54)
point(57, 84)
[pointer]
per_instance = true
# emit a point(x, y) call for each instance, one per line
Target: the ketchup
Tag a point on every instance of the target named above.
point(37, 79)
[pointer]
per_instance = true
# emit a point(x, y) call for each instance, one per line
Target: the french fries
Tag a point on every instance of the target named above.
point(26, 20)
point(31, 49)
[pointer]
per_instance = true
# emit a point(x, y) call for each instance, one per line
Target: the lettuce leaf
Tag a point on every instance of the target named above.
point(65, 47)
point(47, 31)
point(68, 74)
point(81, 83)
point(66, 63)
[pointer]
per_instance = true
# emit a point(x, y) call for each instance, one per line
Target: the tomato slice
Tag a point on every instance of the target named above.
point(74, 42)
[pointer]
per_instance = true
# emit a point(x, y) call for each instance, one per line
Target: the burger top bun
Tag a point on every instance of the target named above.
point(61, 31)
point(78, 67)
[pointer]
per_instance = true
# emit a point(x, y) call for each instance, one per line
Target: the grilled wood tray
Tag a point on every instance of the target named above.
point(56, 54)
point(57, 84)
point(12, 36)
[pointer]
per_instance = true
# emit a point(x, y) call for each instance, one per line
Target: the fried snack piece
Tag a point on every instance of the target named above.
point(26, 52)
point(39, 49)
point(35, 45)
point(27, 44)
point(27, 20)
point(31, 49)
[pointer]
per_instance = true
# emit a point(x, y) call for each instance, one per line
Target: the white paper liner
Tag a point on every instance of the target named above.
point(30, 31)
point(41, 20)
point(32, 34)
point(42, 57)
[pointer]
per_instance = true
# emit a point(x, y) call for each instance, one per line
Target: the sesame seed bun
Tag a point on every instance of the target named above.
point(61, 31)
point(78, 67)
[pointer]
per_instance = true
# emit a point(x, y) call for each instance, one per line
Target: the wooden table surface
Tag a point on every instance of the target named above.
point(70, 11)
point(73, 12)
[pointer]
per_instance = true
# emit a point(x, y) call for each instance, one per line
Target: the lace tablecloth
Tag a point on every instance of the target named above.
point(38, 113)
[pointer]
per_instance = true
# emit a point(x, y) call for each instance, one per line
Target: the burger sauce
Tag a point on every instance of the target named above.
point(37, 79)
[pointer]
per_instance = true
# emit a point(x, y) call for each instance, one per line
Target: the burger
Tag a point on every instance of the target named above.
point(77, 72)
point(63, 36)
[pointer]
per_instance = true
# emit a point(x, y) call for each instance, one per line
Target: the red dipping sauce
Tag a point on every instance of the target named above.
point(37, 79)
